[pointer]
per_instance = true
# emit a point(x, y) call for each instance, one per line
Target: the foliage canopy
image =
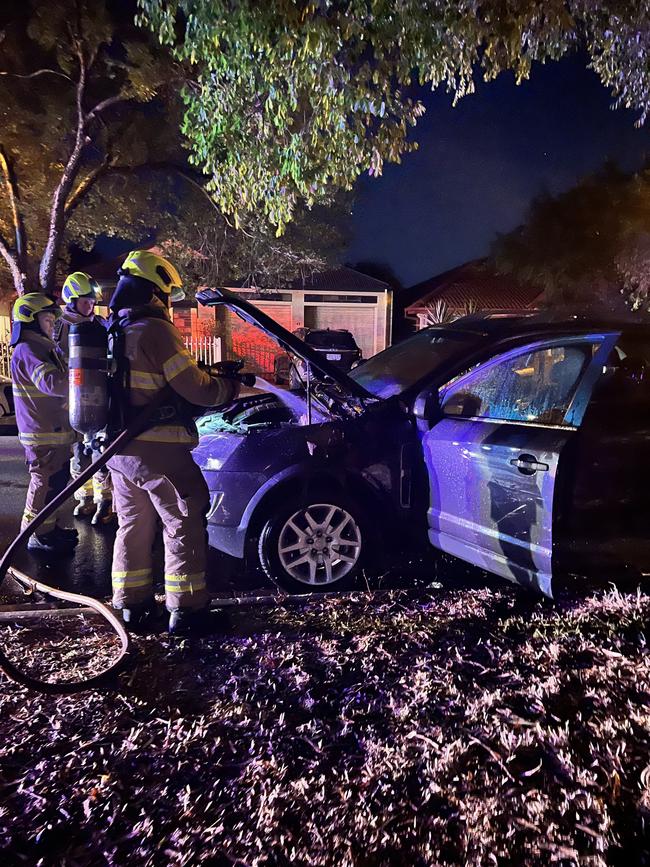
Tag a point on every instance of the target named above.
point(90, 145)
point(289, 100)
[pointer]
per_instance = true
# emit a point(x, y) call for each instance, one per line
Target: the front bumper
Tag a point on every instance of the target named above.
point(230, 495)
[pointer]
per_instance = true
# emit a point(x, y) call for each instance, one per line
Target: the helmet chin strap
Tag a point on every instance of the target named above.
point(160, 298)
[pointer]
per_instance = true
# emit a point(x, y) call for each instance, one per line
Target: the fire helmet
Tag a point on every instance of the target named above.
point(25, 311)
point(157, 270)
point(80, 285)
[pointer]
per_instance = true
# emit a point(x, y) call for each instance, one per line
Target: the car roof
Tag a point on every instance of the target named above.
point(500, 326)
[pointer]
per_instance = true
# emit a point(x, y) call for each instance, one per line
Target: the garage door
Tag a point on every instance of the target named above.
point(357, 318)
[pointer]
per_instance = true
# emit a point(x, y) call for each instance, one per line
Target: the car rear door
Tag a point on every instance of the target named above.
point(492, 459)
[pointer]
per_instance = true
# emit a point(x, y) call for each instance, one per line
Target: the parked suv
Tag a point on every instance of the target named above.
point(519, 444)
point(336, 345)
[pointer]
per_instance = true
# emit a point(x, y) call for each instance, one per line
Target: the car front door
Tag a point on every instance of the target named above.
point(492, 459)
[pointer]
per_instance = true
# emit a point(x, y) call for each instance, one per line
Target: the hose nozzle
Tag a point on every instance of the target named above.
point(232, 370)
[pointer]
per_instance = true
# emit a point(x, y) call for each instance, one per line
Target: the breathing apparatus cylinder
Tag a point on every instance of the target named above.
point(88, 377)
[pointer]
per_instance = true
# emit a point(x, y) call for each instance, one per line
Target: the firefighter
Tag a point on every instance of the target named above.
point(155, 477)
point(40, 387)
point(80, 293)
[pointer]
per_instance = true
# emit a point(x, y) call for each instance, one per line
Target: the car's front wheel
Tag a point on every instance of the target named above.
point(315, 544)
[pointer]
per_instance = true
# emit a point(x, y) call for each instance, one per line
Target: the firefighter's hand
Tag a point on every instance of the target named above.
point(230, 387)
point(232, 369)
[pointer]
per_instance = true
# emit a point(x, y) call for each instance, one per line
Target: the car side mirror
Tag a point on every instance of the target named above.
point(462, 403)
point(426, 408)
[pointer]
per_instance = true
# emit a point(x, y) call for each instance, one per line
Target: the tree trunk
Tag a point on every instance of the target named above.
point(47, 271)
point(16, 274)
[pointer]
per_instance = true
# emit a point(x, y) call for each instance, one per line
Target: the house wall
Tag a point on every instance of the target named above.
point(249, 343)
point(368, 317)
point(369, 320)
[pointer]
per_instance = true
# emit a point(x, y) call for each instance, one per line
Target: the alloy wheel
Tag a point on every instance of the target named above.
point(319, 544)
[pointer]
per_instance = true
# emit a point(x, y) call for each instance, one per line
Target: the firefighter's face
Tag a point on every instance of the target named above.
point(46, 323)
point(85, 306)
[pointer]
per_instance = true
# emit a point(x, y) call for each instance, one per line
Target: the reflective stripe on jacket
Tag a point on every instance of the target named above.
point(40, 387)
point(156, 357)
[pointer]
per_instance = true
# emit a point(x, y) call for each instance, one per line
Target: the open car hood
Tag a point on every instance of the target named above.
point(320, 368)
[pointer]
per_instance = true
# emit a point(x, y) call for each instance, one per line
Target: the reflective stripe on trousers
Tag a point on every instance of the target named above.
point(48, 476)
point(50, 438)
point(99, 486)
point(166, 485)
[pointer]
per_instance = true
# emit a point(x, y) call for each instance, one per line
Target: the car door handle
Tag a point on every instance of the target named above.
point(528, 464)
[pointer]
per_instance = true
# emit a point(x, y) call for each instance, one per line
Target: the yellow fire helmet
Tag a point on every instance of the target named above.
point(157, 270)
point(80, 285)
point(25, 310)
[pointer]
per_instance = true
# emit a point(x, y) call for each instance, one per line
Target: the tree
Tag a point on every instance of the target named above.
point(210, 252)
point(588, 244)
point(90, 145)
point(72, 112)
point(286, 101)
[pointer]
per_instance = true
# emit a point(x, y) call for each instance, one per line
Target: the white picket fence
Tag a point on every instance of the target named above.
point(5, 334)
point(205, 349)
point(5, 369)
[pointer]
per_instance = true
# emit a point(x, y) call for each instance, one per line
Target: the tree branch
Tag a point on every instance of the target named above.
point(38, 72)
point(57, 214)
point(19, 228)
point(104, 104)
point(12, 263)
point(85, 185)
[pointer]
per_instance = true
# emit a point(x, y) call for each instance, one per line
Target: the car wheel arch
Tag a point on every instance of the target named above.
point(299, 484)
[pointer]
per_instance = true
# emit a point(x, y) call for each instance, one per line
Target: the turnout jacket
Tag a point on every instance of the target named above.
point(62, 328)
point(40, 387)
point(153, 357)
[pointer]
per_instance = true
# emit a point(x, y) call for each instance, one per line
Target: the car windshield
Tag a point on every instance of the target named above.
point(399, 367)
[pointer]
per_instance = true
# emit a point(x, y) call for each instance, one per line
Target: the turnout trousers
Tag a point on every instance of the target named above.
point(168, 485)
point(49, 473)
point(99, 487)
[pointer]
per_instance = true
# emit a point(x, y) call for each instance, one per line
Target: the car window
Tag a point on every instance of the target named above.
point(404, 364)
point(330, 340)
point(622, 391)
point(536, 385)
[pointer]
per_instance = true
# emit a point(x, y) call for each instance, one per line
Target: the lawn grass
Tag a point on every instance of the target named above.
point(471, 726)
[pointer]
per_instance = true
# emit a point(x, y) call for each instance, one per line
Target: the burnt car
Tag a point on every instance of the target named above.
point(337, 345)
point(518, 444)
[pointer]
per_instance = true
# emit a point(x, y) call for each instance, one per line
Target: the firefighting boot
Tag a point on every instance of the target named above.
point(84, 508)
point(51, 543)
point(140, 617)
point(184, 622)
point(104, 513)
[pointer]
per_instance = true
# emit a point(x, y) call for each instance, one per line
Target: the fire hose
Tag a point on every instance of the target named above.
point(31, 585)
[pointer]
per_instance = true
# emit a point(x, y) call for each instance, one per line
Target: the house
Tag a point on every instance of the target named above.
point(472, 287)
point(335, 298)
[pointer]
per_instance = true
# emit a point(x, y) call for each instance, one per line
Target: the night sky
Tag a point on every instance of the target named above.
point(480, 164)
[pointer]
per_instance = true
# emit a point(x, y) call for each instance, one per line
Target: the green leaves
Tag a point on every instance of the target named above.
point(290, 100)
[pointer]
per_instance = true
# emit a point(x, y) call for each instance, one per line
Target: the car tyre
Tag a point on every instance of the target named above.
point(317, 543)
